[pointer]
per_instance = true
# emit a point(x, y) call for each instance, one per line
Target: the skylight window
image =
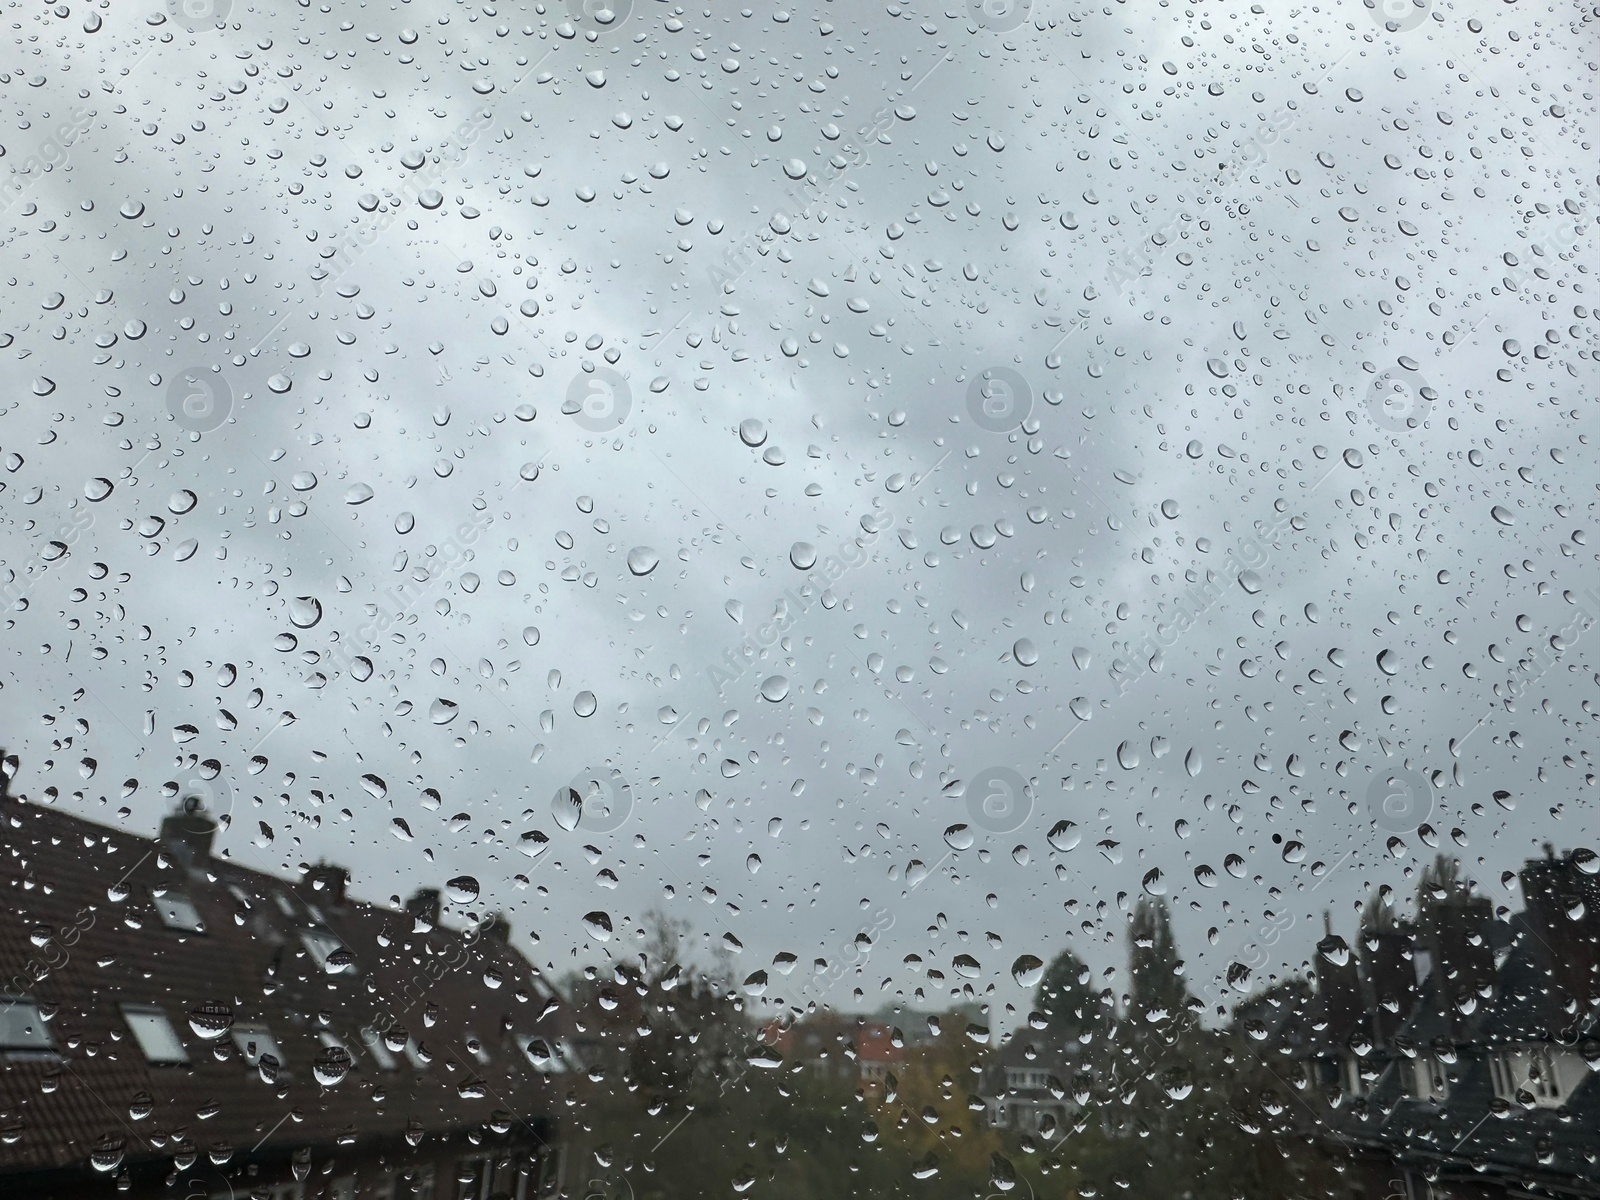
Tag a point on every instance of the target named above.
point(22, 1026)
point(177, 911)
point(155, 1035)
point(373, 1041)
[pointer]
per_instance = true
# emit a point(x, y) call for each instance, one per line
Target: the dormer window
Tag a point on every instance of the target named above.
point(1352, 1081)
point(1425, 1079)
point(1547, 1075)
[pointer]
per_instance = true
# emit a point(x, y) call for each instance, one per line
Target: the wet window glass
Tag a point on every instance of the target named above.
point(646, 600)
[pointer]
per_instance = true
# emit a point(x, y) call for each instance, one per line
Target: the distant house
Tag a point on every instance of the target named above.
point(174, 1024)
point(1454, 1059)
point(1025, 1089)
point(859, 1049)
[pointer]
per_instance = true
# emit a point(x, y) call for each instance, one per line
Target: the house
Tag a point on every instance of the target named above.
point(849, 1048)
point(1027, 1087)
point(1456, 1057)
point(173, 1023)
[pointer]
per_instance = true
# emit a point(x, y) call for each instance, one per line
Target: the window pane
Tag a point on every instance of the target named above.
point(155, 1036)
point(177, 911)
point(21, 1026)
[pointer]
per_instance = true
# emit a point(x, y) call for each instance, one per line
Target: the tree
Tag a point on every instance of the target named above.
point(1156, 994)
point(1070, 1006)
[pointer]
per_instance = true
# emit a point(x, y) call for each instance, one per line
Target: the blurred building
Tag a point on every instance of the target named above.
point(849, 1048)
point(175, 1024)
point(1456, 1057)
point(1026, 1084)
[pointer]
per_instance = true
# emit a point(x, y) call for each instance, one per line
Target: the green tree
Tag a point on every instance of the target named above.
point(1156, 993)
point(1065, 997)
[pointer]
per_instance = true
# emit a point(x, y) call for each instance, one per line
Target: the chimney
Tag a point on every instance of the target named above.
point(1564, 910)
point(1338, 990)
point(424, 907)
point(1456, 932)
point(495, 926)
point(329, 882)
point(1388, 958)
point(189, 830)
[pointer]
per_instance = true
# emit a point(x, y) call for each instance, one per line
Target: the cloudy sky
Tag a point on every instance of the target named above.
point(933, 472)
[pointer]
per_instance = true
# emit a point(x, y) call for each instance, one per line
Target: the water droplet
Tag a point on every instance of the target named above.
point(1064, 835)
point(1027, 971)
point(305, 612)
point(642, 560)
point(585, 704)
point(211, 1021)
point(803, 555)
point(774, 688)
point(442, 712)
point(958, 837)
point(463, 889)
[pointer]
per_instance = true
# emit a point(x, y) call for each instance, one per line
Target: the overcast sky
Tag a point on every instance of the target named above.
point(1181, 410)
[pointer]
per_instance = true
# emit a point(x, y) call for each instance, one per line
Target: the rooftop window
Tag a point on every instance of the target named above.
point(22, 1026)
point(177, 911)
point(155, 1035)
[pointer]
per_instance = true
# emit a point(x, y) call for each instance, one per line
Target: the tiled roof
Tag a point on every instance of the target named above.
point(84, 937)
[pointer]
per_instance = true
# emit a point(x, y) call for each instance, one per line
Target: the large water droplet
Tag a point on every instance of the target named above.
point(1027, 971)
point(304, 611)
